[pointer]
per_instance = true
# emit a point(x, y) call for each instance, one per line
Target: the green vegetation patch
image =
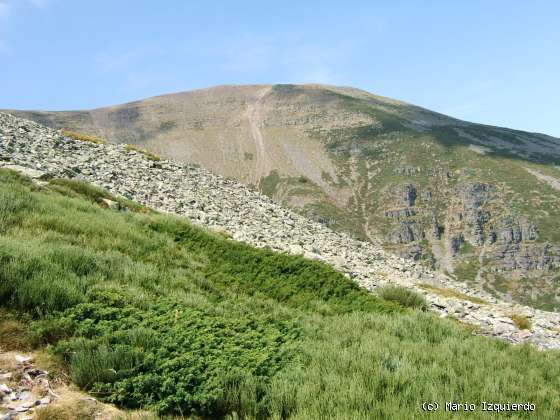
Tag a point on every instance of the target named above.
point(75, 188)
point(171, 356)
point(167, 125)
point(466, 248)
point(149, 311)
point(403, 296)
point(466, 270)
point(269, 183)
point(335, 218)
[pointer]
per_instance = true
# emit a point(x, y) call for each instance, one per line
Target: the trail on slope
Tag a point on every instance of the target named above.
point(478, 278)
point(255, 122)
point(550, 180)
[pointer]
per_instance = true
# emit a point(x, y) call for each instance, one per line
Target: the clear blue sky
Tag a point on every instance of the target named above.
point(495, 62)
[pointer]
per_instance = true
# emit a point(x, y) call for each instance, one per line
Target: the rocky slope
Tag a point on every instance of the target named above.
point(246, 215)
point(479, 203)
point(27, 391)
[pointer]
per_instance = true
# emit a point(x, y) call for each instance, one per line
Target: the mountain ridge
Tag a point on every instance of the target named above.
point(343, 89)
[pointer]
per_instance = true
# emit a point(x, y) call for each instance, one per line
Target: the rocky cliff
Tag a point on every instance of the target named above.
point(475, 202)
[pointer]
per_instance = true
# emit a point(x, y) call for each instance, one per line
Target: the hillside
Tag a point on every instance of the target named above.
point(479, 203)
point(148, 310)
point(232, 209)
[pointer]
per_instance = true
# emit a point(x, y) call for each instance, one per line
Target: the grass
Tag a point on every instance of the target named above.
point(403, 296)
point(151, 156)
point(83, 137)
point(13, 333)
point(77, 411)
point(148, 311)
point(521, 321)
point(450, 293)
point(466, 248)
point(74, 188)
point(269, 183)
point(74, 406)
point(466, 270)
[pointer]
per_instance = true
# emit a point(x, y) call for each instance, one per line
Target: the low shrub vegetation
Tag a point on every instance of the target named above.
point(151, 156)
point(403, 296)
point(83, 137)
point(148, 311)
point(521, 321)
point(75, 188)
point(13, 333)
point(76, 411)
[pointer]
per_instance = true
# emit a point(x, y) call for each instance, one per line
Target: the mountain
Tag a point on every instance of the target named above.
point(143, 308)
point(477, 202)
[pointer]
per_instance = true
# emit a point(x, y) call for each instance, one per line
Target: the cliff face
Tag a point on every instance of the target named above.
point(478, 202)
point(474, 236)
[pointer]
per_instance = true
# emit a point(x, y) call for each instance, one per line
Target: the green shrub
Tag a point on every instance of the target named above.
point(50, 330)
point(168, 356)
point(521, 321)
point(403, 296)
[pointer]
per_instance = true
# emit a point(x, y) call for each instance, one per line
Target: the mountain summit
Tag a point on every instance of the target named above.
point(480, 203)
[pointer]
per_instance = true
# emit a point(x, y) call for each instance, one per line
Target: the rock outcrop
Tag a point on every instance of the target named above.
point(33, 390)
point(475, 229)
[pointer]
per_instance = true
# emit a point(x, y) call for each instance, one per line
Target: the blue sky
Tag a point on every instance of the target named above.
point(495, 62)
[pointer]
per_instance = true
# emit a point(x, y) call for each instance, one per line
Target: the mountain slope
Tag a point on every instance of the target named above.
point(147, 310)
point(478, 202)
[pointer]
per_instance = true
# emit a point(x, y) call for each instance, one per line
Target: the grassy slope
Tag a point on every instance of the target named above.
point(147, 310)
